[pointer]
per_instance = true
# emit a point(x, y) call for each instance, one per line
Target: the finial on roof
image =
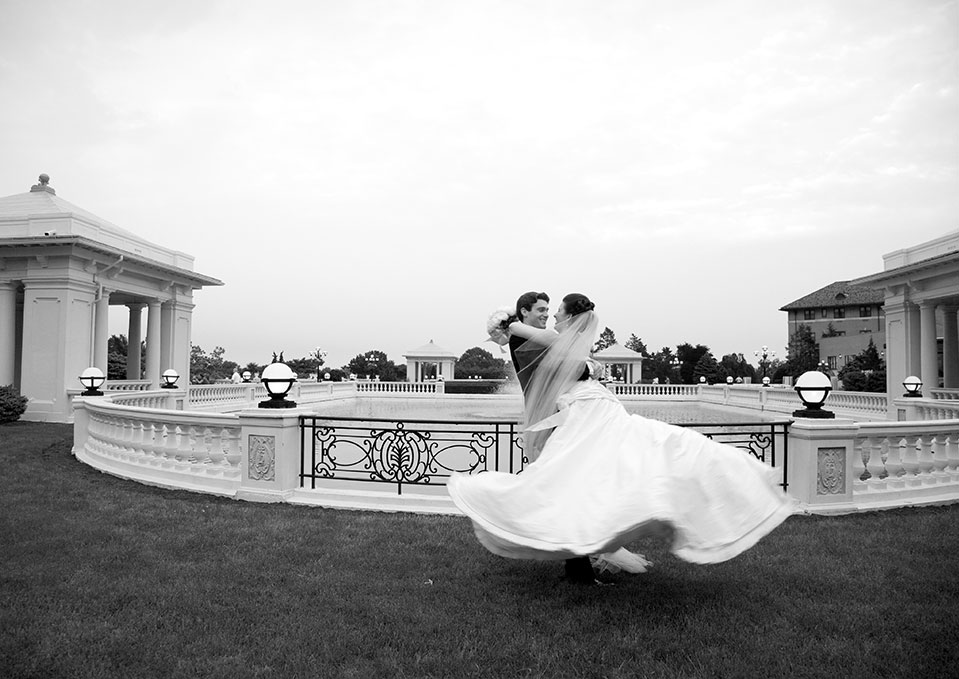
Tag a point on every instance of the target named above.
point(44, 185)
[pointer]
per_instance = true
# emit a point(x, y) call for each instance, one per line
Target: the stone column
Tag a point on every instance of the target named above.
point(8, 332)
point(930, 348)
point(134, 338)
point(896, 347)
point(153, 343)
point(101, 333)
point(950, 347)
point(913, 341)
point(166, 336)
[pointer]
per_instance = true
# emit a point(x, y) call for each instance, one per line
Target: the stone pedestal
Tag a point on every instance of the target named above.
point(270, 447)
point(820, 467)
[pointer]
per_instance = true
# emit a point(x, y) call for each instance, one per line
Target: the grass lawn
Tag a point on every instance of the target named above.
point(101, 577)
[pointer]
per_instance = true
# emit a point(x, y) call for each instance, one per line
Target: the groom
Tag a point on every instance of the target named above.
point(532, 308)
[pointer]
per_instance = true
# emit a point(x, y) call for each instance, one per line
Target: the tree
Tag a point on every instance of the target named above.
point(867, 359)
point(636, 345)
point(831, 331)
point(117, 358)
point(335, 374)
point(735, 366)
point(253, 368)
point(866, 371)
point(659, 366)
point(803, 353)
point(303, 367)
point(208, 368)
point(479, 362)
point(689, 356)
point(607, 338)
point(706, 367)
point(375, 363)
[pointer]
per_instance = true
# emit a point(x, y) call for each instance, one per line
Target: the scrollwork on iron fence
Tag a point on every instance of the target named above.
point(766, 441)
point(409, 452)
point(427, 452)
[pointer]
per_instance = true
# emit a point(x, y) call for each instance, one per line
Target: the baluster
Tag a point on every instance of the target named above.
point(162, 439)
point(952, 455)
point(874, 464)
point(231, 447)
point(103, 436)
point(136, 440)
point(126, 438)
point(94, 427)
point(924, 459)
point(213, 447)
point(187, 445)
point(894, 464)
point(860, 472)
point(939, 459)
point(148, 444)
point(910, 460)
point(200, 442)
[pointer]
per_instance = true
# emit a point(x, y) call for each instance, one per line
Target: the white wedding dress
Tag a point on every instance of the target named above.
point(606, 478)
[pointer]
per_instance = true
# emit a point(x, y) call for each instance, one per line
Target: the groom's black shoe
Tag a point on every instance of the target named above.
point(579, 571)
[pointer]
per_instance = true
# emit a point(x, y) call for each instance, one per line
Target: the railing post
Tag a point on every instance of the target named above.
point(270, 454)
point(820, 464)
point(81, 425)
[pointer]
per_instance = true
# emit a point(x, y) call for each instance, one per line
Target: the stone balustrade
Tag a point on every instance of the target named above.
point(688, 392)
point(225, 397)
point(408, 388)
point(897, 463)
point(126, 385)
point(840, 465)
point(945, 394)
point(161, 399)
point(931, 409)
point(173, 448)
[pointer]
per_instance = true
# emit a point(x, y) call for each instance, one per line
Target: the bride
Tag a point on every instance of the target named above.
point(601, 478)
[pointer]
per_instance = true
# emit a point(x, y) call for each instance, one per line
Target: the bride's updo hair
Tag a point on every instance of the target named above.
point(577, 303)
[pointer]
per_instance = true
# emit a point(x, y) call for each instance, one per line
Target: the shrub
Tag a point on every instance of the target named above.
point(864, 380)
point(12, 404)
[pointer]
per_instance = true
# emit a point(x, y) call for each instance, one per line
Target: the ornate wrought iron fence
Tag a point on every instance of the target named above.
point(766, 441)
point(426, 452)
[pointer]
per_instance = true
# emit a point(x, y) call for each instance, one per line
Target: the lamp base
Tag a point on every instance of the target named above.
point(167, 386)
point(814, 414)
point(276, 404)
point(91, 392)
point(910, 394)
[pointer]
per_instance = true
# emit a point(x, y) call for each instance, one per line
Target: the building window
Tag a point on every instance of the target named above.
point(809, 314)
point(865, 311)
point(822, 313)
point(832, 362)
point(839, 312)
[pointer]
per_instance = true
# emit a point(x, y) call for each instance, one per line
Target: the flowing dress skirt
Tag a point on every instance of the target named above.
point(606, 478)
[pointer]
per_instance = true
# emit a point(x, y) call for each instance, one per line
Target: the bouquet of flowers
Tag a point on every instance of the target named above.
point(497, 325)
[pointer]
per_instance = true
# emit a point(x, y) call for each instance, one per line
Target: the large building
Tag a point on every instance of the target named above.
point(61, 270)
point(910, 311)
point(844, 317)
point(921, 289)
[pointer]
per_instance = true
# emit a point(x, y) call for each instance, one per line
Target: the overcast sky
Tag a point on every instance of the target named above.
point(373, 175)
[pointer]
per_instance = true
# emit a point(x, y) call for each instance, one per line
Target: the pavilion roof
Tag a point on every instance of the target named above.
point(617, 351)
point(430, 350)
point(39, 215)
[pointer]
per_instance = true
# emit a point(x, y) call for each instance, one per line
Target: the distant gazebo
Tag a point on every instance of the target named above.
point(61, 269)
point(429, 361)
point(632, 361)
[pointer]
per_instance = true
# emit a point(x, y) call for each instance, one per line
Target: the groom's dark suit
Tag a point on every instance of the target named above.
point(525, 361)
